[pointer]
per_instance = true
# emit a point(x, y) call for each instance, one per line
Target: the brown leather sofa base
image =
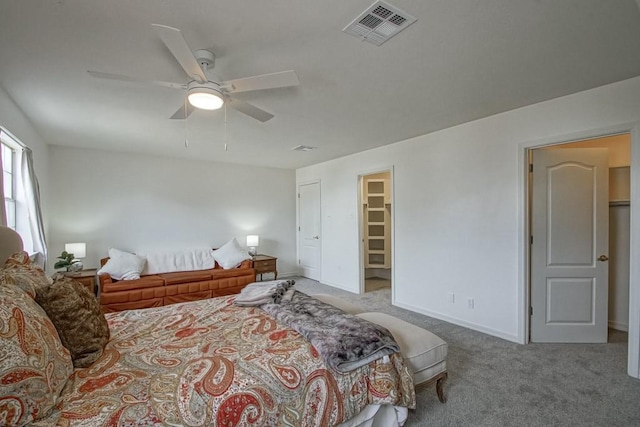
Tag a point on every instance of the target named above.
point(171, 288)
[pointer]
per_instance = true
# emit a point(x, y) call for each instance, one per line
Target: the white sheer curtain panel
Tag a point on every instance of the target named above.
point(3, 212)
point(32, 199)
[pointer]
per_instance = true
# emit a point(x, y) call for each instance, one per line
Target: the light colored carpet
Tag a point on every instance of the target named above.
point(376, 284)
point(493, 382)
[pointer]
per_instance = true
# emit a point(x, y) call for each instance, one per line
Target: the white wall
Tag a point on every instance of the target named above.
point(458, 207)
point(13, 119)
point(619, 227)
point(138, 202)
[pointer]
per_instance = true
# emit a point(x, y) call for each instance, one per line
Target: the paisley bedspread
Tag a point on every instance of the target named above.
point(211, 363)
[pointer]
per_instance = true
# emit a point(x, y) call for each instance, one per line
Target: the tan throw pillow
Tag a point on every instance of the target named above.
point(34, 366)
point(76, 314)
point(24, 274)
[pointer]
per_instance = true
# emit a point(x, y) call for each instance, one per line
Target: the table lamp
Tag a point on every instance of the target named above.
point(253, 241)
point(79, 251)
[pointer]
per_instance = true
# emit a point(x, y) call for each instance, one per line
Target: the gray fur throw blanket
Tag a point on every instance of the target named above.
point(344, 341)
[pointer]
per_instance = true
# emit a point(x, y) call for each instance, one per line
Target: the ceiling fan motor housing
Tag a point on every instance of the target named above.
point(205, 58)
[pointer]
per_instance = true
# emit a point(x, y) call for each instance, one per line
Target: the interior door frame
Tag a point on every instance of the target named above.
point(300, 184)
point(360, 176)
point(524, 287)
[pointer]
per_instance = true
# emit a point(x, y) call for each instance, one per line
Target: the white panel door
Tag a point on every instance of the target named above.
point(570, 229)
point(309, 239)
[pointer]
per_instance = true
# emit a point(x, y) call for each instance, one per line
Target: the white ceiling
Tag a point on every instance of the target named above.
point(462, 60)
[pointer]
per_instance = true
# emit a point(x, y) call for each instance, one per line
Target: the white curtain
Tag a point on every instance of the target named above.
point(3, 212)
point(31, 191)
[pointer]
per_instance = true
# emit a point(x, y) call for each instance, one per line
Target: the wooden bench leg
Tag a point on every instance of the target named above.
point(439, 382)
point(439, 388)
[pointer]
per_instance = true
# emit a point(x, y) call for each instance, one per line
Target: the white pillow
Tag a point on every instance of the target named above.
point(230, 255)
point(123, 265)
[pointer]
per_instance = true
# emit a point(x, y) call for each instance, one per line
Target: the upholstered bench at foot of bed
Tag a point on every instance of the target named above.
point(339, 302)
point(424, 352)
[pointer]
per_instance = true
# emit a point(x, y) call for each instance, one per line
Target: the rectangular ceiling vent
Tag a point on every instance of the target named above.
point(379, 23)
point(303, 148)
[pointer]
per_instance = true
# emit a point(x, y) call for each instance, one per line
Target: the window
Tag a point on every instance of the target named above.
point(21, 195)
point(9, 181)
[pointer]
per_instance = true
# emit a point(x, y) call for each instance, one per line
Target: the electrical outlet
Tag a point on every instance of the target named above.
point(470, 302)
point(452, 297)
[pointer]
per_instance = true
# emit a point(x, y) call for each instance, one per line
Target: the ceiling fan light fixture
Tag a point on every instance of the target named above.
point(205, 98)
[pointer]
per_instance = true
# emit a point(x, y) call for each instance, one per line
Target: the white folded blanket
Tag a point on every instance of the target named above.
point(259, 293)
point(188, 259)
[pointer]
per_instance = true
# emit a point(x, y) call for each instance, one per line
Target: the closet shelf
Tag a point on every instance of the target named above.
point(376, 213)
point(620, 203)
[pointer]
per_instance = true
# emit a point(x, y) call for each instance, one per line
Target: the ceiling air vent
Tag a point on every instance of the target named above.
point(379, 23)
point(303, 148)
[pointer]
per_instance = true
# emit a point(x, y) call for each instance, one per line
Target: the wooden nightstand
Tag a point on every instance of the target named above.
point(86, 277)
point(265, 264)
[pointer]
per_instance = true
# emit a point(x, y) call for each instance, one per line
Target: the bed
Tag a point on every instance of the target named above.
point(213, 363)
point(201, 363)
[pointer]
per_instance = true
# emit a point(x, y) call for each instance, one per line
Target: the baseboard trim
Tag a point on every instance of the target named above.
point(619, 326)
point(460, 322)
point(283, 275)
point(335, 285)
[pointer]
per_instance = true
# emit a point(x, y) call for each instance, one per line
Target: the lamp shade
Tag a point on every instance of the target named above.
point(79, 250)
point(253, 240)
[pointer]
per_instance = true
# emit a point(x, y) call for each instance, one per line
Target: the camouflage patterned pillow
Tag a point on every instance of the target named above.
point(77, 316)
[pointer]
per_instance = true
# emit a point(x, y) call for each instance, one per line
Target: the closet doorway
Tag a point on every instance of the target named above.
point(375, 231)
point(608, 309)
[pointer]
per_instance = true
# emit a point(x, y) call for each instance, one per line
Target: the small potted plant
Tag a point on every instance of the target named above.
point(68, 261)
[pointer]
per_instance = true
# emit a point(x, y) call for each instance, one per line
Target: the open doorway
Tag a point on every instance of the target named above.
point(376, 230)
point(556, 297)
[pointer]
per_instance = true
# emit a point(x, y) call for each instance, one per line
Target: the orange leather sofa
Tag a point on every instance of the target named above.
point(169, 288)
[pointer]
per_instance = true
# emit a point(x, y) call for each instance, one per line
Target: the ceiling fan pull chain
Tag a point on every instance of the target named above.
point(225, 126)
point(186, 140)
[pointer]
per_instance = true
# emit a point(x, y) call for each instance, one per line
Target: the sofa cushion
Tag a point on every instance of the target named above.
point(123, 265)
point(231, 254)
point(76, 314)
point(34, 365)
point(185, 277)
point(127, 285)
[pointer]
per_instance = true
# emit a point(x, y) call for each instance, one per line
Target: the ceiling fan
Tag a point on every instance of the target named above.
point(203, 91)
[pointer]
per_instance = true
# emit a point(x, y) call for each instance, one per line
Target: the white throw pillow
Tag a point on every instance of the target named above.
point(123, 265)
point(230, 255)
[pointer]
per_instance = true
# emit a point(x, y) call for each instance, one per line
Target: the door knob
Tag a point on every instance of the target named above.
point(316, 237)
point(603, 258)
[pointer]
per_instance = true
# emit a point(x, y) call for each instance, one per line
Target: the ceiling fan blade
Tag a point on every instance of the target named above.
point(249, 110)
point(264, 81)
point(120, 77)
point(175, 42)
point(183, 112)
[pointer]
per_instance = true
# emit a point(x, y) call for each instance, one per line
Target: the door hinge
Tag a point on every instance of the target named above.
point(531, 167)
point(298, 228)
point(530, 311)
point(299, 262)
point(298, 195)
point(531, 240)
